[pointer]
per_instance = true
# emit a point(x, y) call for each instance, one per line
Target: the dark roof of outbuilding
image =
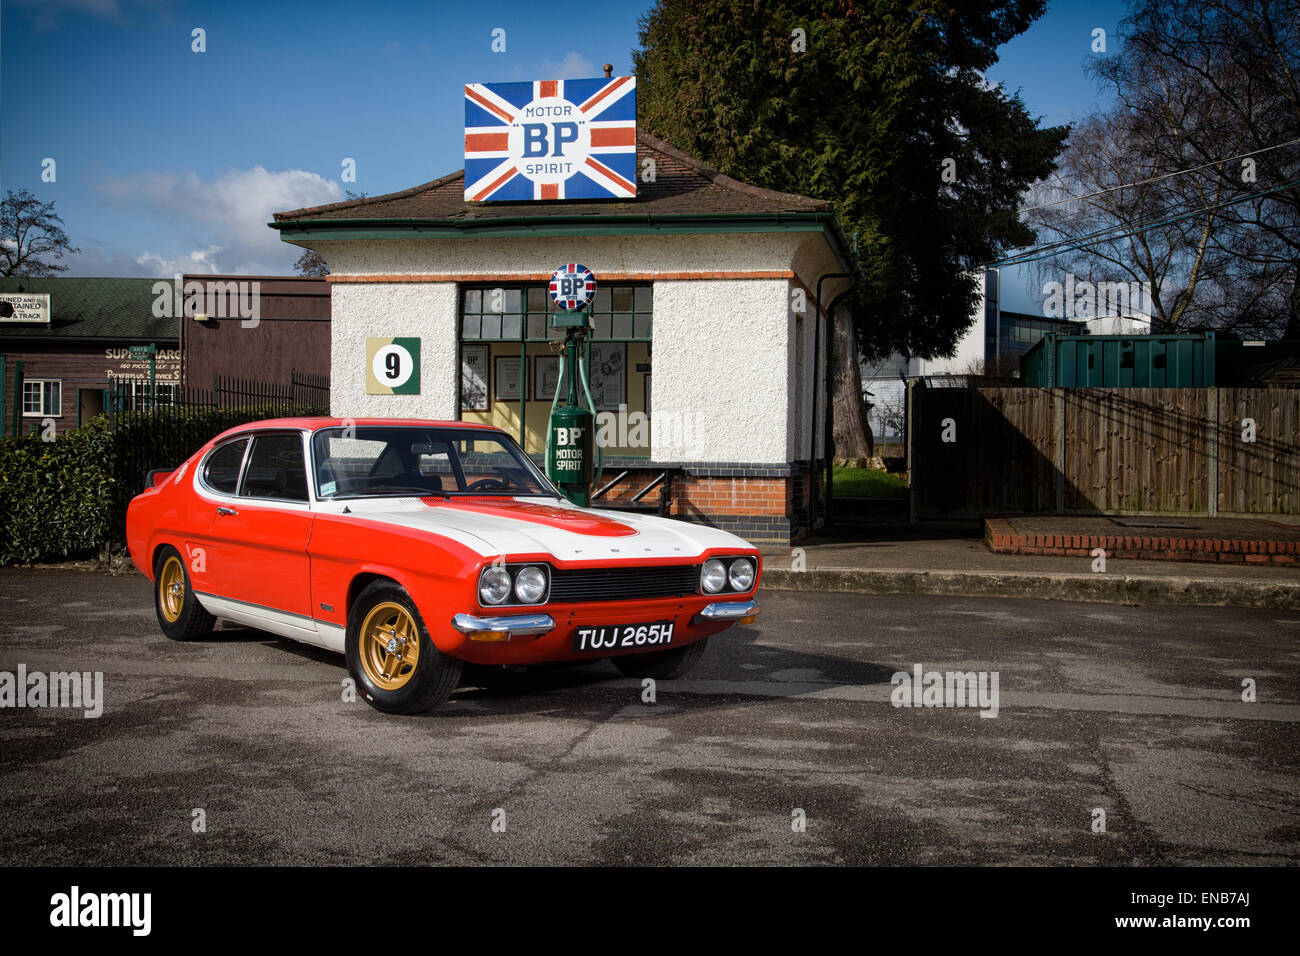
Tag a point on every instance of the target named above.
point(682, 186)
point(93, 309)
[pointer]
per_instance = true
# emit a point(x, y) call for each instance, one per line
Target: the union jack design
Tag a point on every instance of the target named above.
point(572, 286)
point(550, 139)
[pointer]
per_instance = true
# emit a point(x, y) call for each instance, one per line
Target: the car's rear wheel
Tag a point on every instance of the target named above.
point(180, 615)
point(390, 655)
point(662, 665)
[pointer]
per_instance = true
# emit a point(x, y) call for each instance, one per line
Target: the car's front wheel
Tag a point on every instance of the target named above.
point(662, 665)
point(180, 615)
point(390, 655)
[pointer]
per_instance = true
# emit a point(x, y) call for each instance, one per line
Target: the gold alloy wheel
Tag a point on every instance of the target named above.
point(171, 589)
point(390, 645)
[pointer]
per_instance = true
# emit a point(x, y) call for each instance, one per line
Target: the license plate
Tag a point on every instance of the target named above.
point(623, 637)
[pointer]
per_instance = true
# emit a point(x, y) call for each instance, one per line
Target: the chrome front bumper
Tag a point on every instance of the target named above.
point(512, 624)
point(524, 625)
point(728, 611)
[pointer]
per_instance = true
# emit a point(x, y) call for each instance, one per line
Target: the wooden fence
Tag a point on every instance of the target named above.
point(976, 451)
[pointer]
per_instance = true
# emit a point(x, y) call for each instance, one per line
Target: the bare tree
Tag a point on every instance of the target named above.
point(311, 264)
point(1191, 184)
point(32, 239)
point(1108, 187)
point(1237, 64)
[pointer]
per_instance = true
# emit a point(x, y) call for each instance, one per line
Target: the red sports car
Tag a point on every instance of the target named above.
point(414, 547)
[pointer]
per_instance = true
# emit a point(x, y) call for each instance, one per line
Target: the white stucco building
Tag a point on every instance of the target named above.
point(707, 363)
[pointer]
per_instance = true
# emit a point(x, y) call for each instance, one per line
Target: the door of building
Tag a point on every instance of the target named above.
point(90, 402)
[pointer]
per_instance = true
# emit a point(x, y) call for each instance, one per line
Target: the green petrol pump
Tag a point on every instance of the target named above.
point(571, 432)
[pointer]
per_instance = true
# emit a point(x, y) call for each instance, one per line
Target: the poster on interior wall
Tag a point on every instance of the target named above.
point(506, 378)
point(474, 378)
point(546, 373)
point(608, 375)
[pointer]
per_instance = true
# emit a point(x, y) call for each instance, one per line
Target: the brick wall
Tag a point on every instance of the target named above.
point(767, 505)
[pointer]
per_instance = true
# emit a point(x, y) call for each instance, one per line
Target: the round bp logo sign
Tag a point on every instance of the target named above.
point(572, 287)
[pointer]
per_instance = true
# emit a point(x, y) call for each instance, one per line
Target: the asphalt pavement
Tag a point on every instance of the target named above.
point(1120, 737)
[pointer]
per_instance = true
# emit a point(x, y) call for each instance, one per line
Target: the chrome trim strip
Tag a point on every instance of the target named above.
point(255, 607)
point(728, 610)
point(511, 623)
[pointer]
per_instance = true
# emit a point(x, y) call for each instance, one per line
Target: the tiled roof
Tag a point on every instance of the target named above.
point(93, 308)
point(682, 186)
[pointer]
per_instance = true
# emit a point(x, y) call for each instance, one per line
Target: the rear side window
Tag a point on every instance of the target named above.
point(276, 468)
point(222, 471)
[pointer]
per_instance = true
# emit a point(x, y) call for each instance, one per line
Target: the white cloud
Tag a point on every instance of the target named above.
point(50, 14)
point(200, 261)
point(229, 214)
point(574, 66)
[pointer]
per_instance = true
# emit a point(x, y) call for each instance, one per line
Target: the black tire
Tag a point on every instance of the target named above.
point(181, 616)
point(434, 675)
point(662, 665)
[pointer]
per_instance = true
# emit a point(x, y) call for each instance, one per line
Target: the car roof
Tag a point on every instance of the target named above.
point(316, 424)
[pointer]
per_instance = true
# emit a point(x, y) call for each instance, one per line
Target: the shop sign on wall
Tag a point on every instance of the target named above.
point(27, 308)
point(551, 139)
point(392, 366)
point(126, 364)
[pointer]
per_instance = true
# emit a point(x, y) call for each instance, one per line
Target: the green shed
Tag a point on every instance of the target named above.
point(1120, 361)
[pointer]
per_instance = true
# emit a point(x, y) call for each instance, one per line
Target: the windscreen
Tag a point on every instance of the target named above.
point(377, 460)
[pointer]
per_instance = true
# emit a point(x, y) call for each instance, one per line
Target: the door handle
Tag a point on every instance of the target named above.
point(226, 511)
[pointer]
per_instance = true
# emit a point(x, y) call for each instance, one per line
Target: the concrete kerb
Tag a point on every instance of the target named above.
point(1096, 588)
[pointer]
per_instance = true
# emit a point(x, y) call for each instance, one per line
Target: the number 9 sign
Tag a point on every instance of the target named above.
point(392, 366)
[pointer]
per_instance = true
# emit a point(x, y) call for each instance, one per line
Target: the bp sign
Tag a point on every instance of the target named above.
point(572, 287)
point(550, 139)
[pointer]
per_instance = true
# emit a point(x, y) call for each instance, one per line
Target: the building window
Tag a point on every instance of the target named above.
point(43, 398)
point(510, 359)
point(135, 394)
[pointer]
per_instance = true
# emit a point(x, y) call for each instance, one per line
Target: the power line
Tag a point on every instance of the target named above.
point(1035, 253)
point(1156, 179)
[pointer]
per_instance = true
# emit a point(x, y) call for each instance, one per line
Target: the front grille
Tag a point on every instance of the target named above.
point(623, 584)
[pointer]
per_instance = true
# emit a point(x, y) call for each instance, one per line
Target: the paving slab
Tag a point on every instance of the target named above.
point(952, 560)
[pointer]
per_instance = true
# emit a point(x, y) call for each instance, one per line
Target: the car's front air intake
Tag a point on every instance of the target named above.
point(623, 584)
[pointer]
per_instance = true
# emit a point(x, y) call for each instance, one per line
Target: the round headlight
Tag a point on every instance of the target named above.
point(530, 584)
point(741, 575)
point(494, 585)
point(713, 576)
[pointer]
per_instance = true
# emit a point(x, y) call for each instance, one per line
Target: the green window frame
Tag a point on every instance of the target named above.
point(496, 313)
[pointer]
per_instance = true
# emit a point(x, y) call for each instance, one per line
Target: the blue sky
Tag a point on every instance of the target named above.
point(167, 159)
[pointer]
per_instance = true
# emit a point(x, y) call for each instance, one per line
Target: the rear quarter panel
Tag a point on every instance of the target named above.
point(170, 514)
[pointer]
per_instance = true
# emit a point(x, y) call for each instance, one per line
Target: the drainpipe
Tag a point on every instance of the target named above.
point(812, 429)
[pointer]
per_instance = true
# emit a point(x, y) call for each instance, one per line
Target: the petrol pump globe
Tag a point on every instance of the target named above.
point(572, 287)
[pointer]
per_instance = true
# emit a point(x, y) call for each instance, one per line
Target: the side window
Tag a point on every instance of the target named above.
point(222, 470)
point(276, 469)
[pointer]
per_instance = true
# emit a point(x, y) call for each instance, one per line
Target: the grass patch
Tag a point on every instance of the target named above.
point(867, 483)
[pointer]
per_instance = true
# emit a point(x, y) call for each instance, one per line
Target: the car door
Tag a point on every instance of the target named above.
point(257, 541)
